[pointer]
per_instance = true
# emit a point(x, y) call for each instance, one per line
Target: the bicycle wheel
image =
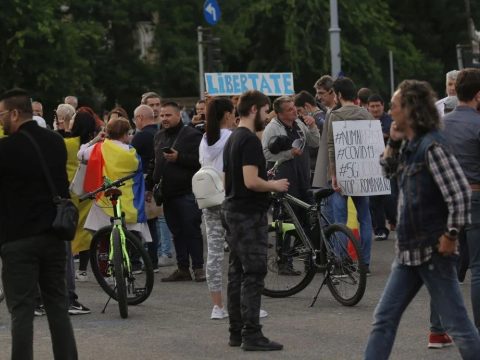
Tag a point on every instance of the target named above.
point(119, 274)
point(348, 278)
point(139, 285)
point(290, 266)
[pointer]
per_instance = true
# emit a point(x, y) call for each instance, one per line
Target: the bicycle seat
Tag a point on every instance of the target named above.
point(322, 193)
point(113, 192)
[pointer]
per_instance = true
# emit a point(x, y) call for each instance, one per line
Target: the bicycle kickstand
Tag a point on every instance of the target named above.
point(106, 304)
point(327, 274)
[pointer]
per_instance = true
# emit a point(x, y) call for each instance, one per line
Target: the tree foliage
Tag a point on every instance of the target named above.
point(88, 48)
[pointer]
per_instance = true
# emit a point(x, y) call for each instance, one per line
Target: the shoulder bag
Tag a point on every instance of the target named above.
point(66, 220)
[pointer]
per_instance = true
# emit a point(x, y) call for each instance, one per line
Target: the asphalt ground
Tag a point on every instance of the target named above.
point(174, 323)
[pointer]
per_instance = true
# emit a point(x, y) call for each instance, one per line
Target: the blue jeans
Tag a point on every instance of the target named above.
point(472, 232)
point(164, 237)
point(340, 213)
point(440, 277)
point(473, 240)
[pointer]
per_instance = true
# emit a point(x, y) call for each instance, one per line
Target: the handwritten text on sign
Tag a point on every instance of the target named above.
point(271, 84)
point(358, 146)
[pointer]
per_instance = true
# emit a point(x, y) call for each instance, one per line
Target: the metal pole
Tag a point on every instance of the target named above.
point(392, 80)
point(334, 30)
point(201, 80)
point(459, 57)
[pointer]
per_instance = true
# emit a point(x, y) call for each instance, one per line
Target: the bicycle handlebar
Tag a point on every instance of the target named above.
point(106, 185)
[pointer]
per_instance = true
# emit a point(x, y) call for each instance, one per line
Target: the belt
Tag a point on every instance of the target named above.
point(475, 187)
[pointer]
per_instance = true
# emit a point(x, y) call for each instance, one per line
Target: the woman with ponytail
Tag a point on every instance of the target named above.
point(220, 118)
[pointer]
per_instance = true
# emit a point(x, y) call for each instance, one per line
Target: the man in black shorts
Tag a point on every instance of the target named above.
point(245, 220)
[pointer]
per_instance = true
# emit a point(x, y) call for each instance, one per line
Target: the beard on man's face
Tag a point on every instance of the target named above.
point(259, 123)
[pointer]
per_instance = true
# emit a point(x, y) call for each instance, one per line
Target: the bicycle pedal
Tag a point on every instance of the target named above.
point(140, 291)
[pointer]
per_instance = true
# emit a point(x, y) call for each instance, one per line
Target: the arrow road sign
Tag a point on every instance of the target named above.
point(211, 11)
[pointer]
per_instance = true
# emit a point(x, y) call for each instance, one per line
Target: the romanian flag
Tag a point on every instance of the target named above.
point(111, 160)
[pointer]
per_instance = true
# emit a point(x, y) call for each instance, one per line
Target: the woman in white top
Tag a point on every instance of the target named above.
point(220, 118)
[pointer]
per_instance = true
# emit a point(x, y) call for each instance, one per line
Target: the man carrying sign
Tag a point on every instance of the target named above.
point(345, 93)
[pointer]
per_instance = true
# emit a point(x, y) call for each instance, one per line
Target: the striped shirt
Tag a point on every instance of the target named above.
point(453, 185)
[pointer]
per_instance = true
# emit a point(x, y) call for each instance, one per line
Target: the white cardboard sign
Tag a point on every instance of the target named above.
point(358, 146)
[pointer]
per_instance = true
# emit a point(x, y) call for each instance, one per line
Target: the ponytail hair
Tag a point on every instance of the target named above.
point(216, 109)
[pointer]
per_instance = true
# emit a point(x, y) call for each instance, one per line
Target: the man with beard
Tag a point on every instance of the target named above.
point(176, 161)
point(434, 204)
point(245, 220)
point(33, 255)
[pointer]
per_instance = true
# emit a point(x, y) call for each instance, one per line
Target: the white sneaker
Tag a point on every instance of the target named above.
point(81, 276)
point(263, 313)
point(218, 313)
point(165, 261)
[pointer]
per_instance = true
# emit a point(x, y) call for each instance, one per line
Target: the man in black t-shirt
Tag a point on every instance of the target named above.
point(245, 220)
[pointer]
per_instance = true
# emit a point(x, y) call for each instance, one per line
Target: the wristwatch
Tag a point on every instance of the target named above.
point(452, 233)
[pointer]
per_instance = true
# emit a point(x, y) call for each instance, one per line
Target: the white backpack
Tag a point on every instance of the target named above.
point(207, 186)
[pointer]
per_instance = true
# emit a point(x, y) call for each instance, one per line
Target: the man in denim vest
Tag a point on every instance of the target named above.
point(433, 204)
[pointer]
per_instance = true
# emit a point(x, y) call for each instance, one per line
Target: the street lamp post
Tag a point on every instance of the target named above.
point(334, 30)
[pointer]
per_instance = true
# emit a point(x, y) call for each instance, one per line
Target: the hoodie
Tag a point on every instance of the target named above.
point(213, 155)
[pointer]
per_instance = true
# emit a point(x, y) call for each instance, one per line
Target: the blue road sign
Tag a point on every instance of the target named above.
point(211, 11)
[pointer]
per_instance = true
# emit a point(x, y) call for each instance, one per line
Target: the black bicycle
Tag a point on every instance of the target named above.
point(118, 258)
point(297, 251)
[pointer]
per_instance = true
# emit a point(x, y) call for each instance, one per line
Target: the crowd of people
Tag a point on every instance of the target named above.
point(432, 159)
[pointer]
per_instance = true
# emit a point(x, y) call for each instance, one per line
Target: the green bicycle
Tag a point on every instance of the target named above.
point(114, 251)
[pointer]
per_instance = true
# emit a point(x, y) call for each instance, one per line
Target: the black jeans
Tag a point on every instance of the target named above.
point(247, 237)
point(153, 246)
point(381, 207)
point(184, 219)
point(27, 262)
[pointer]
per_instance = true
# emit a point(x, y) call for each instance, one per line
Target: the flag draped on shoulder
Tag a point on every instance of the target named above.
point(111, 160)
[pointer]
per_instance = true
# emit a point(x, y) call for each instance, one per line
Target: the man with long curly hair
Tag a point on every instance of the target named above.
point(434, 203)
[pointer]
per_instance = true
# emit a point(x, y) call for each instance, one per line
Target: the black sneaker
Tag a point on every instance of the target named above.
point(178, 275)
point(78, 309)
point(235, 340)
point(381, 237)
point(39, 310)
point(288, 271)
point(261, 344)
point(137, 269)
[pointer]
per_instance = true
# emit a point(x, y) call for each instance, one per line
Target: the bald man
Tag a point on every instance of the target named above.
point(142, 141)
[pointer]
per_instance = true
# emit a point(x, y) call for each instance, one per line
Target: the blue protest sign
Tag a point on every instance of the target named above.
point(271, 84)
point(211, 11)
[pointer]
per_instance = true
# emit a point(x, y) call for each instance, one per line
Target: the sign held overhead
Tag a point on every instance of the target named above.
point(271, 84)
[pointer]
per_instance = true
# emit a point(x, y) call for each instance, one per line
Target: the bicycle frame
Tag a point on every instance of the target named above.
point(286, 200)
point(118, 223)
